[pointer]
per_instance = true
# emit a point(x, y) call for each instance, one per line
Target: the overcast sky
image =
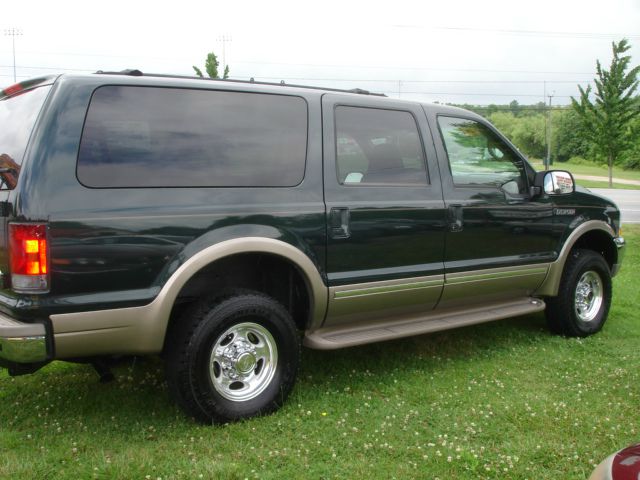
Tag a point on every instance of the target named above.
point(465, 51)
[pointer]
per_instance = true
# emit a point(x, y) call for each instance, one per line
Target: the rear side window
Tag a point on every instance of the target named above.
point(376, 146)
point(18, 115)
point(166, 137)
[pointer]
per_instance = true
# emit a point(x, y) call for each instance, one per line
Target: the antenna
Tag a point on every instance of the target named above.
point(13, 33)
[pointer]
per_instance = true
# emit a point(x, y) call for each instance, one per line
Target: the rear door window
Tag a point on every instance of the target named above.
point(168, 137)
point(18, 115)
point(378, 147)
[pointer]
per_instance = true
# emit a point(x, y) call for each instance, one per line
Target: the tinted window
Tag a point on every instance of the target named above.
point(18, 115)
point(375, 146)
point(163, 137)
point(477, 156)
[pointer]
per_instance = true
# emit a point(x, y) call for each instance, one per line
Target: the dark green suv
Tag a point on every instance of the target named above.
point(223, 224)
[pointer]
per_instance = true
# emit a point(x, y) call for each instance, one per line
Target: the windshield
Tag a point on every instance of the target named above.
point(18, 115)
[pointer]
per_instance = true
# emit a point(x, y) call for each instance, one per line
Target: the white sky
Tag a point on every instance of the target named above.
point(464, 51)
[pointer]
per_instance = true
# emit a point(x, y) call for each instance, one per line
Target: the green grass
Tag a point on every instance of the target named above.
point(501, 400)
point(589, 169)
point(596, 184)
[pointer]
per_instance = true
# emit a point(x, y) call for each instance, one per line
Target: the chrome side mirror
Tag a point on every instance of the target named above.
point(554, 182)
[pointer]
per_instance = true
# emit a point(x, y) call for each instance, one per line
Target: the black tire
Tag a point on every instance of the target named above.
point(196, 375)
point(562, 315)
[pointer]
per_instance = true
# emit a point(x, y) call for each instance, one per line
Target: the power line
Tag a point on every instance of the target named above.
point(414, 68)
point(543, 33)
point(337, 79)
point(482, 70)
point(476, 94)
point(50, 68)
point(394, 80)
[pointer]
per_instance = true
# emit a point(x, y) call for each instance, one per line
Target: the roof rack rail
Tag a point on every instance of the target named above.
point(133, 72)
point(138, 73)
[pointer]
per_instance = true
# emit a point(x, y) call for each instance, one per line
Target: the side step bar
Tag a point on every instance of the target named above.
point(341, 336)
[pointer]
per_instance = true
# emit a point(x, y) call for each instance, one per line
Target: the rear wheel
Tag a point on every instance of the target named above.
point(233, 358)
point(584, 296)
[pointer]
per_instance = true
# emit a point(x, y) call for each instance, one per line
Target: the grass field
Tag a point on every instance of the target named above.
point(501, 400)
point(590, 169)
point(596, 184)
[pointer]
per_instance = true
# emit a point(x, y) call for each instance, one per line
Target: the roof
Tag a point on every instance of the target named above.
point(138, 73)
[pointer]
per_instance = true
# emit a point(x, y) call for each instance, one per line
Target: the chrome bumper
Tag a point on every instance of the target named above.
point(621, 244)
point(22, 342)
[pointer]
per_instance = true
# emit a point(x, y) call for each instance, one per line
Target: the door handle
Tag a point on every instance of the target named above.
point(456, 223)
point(339, 222)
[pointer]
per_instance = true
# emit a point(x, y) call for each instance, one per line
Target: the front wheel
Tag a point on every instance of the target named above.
point(233, 358)
point(584, 296)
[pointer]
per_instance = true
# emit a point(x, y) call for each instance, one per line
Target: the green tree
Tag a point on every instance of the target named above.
point(569, 139)
point(514, 106)
point(631, 156)
point(211, 65)
point(608, 119)
point(526, 132)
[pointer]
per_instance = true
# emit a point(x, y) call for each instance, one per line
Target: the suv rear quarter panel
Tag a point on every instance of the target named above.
point(113, 248)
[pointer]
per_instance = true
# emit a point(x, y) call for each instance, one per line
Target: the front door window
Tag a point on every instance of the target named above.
point(478, 157)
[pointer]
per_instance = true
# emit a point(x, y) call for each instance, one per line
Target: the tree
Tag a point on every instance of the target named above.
point(211, 65)
point(608, 119)
point(526, 132)
point(569, 138)
point(514, 106)
point(631, 156)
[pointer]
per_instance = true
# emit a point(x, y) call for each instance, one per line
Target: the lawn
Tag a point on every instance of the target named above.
point(596, 184)
point(589, 169)
point(500, 400)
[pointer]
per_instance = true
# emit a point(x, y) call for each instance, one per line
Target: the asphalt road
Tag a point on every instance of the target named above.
point(628, 202)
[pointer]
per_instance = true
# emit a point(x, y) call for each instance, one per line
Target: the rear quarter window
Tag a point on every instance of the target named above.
point(18, 115)
point(169, 137)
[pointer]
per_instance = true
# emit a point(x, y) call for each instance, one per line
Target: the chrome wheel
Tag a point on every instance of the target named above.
point(243, 362)
point(588, 296)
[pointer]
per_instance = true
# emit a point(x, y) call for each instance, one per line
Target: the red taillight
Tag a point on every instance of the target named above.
point(13, 89)
point(29, 258)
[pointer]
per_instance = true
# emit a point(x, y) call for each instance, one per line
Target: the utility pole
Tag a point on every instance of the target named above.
point(13, 33)
point(399, 88)
point(548, 159)
point(224, 39)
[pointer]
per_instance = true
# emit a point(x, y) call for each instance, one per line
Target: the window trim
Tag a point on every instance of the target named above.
point(527, 167)
point(379, 185)
point(198, 89)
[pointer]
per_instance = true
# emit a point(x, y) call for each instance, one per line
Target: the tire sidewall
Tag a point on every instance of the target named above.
point(247, 308)
point(589, 261)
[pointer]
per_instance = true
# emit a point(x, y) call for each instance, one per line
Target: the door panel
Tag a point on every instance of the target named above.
point(385, 220)
point(493, 225)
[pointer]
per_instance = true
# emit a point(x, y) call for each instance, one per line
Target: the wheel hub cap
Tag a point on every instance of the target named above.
point(243, 361)
point(588, 296)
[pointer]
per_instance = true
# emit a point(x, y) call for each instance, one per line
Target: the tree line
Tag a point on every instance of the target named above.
point(602, 125)
point(526, 127)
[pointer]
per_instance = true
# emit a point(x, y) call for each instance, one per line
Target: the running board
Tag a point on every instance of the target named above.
point(331, 338)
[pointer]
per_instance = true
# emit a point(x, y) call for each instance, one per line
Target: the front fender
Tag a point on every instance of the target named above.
point(551, 283)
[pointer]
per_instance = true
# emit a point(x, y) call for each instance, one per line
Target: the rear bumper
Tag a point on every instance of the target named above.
point(22, 342)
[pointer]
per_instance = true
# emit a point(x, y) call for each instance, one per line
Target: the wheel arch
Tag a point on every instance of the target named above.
point(251, 247)
point(141, 330)
point(594, 235)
